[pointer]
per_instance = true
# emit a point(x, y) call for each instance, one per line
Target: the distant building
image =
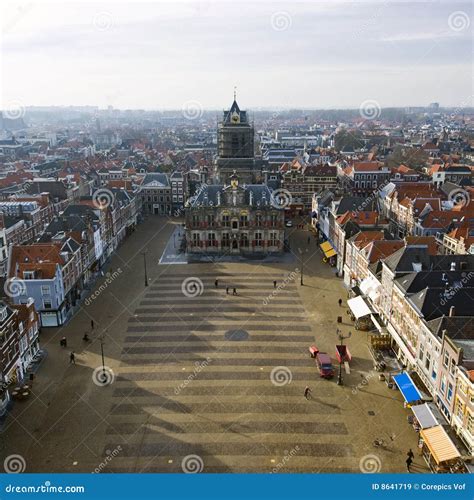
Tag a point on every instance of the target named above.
point(155, 192)
point(364, 177)
point(179, 188)
point(302, 181)
point(234, 219)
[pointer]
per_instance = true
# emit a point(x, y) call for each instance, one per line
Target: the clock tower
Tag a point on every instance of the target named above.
point(235, 146)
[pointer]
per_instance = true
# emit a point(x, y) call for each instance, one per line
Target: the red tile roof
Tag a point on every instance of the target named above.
point(361, 239)
point(40, 257)
point(430, 241)
point(363, 218)
point(439, 219)
point(377, 250)
point(420, 203)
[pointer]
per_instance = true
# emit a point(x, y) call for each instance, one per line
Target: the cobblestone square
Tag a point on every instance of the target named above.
point(206, 380)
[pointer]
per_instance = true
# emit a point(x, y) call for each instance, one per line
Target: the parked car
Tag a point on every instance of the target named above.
point(289, 223)
point(323, 361)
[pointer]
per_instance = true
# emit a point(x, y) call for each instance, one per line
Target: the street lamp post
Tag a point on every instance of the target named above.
point(340, 380)
point(301, 252)
point(144, 265)
point(302, 270)
point(101, 338)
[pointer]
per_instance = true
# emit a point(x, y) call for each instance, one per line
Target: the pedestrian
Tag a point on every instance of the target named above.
point(92, 324)
point(216, 283)
point(340, 302)
point(227, 290)
point(309, 240)
point(409, 461)
point(410, 454)
point(72, 358)
point(307, 392)
point(63, 342)
point(274, 284)
point(234, 292)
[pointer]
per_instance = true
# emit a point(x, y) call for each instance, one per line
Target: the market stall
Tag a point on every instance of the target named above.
point(329, 252)
point(360, 313)
point(422, 417)
point(440, 452)
point(408, 389)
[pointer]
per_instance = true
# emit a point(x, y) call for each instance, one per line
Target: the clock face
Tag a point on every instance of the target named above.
point(235, 117)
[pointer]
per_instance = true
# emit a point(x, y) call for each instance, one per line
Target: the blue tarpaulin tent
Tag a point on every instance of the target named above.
point(407, 387)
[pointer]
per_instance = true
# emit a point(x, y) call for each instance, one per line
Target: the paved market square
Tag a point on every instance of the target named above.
point(206, 381)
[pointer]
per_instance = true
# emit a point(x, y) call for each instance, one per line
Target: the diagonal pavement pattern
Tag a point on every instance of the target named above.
point(218, 380)
point(205, 381)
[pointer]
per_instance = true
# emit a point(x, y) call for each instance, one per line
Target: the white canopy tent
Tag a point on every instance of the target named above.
point(425, 416)
point(359, 307)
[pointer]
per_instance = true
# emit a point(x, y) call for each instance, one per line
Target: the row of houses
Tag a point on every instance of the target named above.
point(19, 345)
point(47, 278)
point(57, 269)
point(421, 304)
point(413, 296)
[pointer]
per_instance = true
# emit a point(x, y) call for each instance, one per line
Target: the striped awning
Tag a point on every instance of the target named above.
point(439, 443)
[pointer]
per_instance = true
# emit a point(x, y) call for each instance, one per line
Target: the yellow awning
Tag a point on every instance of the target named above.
point(439, 443)
point(328, 250)
point(325, 246)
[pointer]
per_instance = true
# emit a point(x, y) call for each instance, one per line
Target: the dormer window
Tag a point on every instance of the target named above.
point(28, 275)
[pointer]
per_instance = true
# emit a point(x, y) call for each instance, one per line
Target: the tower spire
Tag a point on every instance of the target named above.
point(235, 92)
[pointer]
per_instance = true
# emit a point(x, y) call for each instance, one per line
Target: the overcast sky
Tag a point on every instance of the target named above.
point(310, 54)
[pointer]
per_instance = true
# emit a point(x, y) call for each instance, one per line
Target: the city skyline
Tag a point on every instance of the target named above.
point(161, 55)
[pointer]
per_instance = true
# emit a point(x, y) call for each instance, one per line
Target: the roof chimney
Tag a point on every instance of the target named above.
point(453, 266)
point(452, 311)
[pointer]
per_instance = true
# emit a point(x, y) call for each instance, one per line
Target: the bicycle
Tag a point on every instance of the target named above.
point(379, 443)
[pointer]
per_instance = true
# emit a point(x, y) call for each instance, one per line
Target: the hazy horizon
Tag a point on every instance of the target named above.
point(253, 109)
point(163, 55)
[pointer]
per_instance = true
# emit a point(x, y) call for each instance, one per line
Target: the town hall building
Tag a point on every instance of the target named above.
point(235, 219)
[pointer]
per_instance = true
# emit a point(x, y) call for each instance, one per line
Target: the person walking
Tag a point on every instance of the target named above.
point(307, 392)
point(274, 284)
point(409, 461)
point(410, 454)
point(227, 290)
point(309, 240)
point(92, 324)
point(234, 292)
point(216, 283)
point(72, 358)
point(340, 302)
